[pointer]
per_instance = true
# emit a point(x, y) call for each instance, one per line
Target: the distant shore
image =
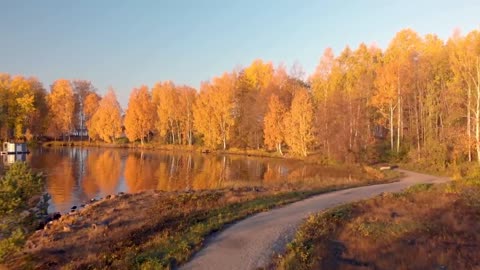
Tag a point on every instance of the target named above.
point(170, 147)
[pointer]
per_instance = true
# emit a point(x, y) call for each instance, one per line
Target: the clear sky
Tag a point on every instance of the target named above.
point(125, 44)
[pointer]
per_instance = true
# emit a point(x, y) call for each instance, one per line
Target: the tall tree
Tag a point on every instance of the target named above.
point(299, 124)
point(321, 83)
point(274, 124)
point(90, 106)
point(186, 99)
point(139, 118)
point(214, 110)
point(38, 118)
point(165, 99)
point(251, 95)
point(106, 123)
point(81, 89)
point(465, 62)
point(61, 104)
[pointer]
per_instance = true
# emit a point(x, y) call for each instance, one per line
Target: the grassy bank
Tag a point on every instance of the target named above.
point(156, 230)
point(424, 227)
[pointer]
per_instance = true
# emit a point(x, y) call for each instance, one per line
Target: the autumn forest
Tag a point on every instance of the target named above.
point(418, 99)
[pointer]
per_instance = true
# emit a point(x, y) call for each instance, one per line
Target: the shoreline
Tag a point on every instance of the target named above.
point(172, 217)
point(179, 148)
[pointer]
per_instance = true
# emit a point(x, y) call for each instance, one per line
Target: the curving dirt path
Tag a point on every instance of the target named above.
point(251, 243)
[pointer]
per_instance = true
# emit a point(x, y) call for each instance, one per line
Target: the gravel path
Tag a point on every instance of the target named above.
point(251, 243)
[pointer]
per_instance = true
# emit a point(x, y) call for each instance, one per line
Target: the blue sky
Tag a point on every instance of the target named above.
point(125, 44)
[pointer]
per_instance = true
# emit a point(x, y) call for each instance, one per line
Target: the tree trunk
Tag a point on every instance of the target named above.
point(391, 126)
point(399, 108)
point(477, 112)
point(399, 122)
point(417, 124)
point(279, 148)
point(224, 142)
point(469, 123)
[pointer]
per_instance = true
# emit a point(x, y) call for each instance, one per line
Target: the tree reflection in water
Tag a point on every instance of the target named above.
point(75, 175)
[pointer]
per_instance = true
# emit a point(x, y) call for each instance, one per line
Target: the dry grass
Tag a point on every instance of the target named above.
point(424, 227)
point(156, 230)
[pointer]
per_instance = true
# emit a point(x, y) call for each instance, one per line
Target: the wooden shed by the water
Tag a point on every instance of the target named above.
point(14, 148)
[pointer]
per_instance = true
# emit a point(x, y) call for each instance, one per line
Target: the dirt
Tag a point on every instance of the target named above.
point(426, 230)
point(99, 233)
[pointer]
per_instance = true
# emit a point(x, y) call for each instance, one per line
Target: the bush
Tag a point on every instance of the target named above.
point(11, 244)
point(17, 186)
point(122, 140)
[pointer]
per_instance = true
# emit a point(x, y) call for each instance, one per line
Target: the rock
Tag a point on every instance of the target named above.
point(56, 215)
point(72, 211)
point(67, 228)
point(30, 244)
point(24, 214)
point(48, 226)
point(74, 207)
point(100, 227)
point(34, 200)
point(82, 205)
point(93, 200)
point(108, 197)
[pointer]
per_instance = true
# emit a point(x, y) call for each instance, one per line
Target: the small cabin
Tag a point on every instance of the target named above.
point(14, 148)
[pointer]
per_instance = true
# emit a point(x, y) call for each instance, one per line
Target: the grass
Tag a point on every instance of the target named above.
point(159, 230)
point(423, 227)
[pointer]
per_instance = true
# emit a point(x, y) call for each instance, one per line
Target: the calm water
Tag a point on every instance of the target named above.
point(75, 175)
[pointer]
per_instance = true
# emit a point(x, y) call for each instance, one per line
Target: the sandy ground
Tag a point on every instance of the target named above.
point(251, 243)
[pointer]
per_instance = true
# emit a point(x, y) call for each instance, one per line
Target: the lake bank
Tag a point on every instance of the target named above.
point(156, 229)
point(75, 175)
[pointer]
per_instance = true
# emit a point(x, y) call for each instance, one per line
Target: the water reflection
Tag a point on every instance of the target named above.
point(74, 175)
point(12, 158)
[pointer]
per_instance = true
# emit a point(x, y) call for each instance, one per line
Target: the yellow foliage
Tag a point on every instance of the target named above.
point(106, 123)
point(274, 128)
point(213, 110)
point(139, 118)
point(299, 124)
point(61, 105)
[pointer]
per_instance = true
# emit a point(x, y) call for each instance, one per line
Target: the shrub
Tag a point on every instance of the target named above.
point(17, 186)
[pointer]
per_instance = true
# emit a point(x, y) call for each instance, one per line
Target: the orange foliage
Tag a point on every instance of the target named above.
point(139, 119)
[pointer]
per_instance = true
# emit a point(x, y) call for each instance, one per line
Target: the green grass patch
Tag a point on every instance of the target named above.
point(169, 249)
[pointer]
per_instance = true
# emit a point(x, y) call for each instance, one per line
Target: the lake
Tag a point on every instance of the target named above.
point(75, 175)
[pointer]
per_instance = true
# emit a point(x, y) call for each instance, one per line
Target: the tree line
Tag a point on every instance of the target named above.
point(420, 97)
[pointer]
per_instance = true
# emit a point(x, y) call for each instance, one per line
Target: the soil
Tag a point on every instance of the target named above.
point(425, 227)
point(100, 232)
